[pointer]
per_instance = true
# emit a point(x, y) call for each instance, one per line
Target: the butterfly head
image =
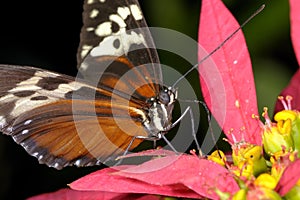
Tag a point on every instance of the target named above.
point(160, 112)
point(167, 96)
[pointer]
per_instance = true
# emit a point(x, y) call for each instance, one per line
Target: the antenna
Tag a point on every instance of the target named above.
point(221, 45)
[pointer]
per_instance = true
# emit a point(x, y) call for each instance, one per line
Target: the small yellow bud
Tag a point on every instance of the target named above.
point(274, 141)
point(218, 157)
point(240, 195)
point(249, 159)
point(266, 180)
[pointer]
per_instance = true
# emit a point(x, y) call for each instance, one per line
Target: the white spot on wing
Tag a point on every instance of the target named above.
point(90, 29)
point(235, 62)
point(136, 12)
point(84, 66)
point(94, 13)
point(85, 50)
point(28, 84)
point(102, 1)
point(118, 20)
point(35, 154)
point(46, 74)
point(124, 12)
point(106, 46)
point(7, 98)
point(25, 87)
point(90, 1)
point(25, 132)
point(24, 104)
point(127, 39)
point(103, 29)
point(27, 122)
point(65, 88)
point(77, 163)
point(56, 165)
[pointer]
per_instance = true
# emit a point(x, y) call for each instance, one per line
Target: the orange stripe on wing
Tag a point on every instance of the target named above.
point(63, 138)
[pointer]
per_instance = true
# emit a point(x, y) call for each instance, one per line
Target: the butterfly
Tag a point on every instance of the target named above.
point(117, 101)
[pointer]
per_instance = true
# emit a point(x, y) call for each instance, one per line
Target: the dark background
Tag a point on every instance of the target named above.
point(45, 34)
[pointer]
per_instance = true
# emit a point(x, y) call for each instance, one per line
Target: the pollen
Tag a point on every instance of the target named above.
point(237, 103)
point(243, 128)
point(254, 116)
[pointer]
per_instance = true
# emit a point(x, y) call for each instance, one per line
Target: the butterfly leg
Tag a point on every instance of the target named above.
point(168, 143)
point(189, 110)
point(208, 121)
point(154, 144)
point(194, 132)
point(161, 135)
point(120, 158)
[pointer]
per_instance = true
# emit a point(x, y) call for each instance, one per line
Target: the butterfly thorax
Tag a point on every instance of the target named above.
point(159, 117)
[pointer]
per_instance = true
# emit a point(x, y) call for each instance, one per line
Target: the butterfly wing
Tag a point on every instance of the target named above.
point(63, 121)
point(116, 28)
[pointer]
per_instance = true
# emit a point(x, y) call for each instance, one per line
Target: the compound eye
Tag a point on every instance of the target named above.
point(164, 97)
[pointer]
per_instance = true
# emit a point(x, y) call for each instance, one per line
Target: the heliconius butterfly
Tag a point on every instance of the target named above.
point(63, 121)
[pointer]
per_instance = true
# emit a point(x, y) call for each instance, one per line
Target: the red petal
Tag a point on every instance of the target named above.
point(150, 152)
point(178, 176)
point(295, 26)
point(108, 180)
point(200, 175)
point(289, 178)
point(68, 194)
point(293, 90)
point(226, 79)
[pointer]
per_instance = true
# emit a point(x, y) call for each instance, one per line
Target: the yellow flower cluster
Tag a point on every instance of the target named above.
point(259, 168)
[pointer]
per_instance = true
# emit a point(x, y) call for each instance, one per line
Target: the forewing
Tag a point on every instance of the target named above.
point(115, 28)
